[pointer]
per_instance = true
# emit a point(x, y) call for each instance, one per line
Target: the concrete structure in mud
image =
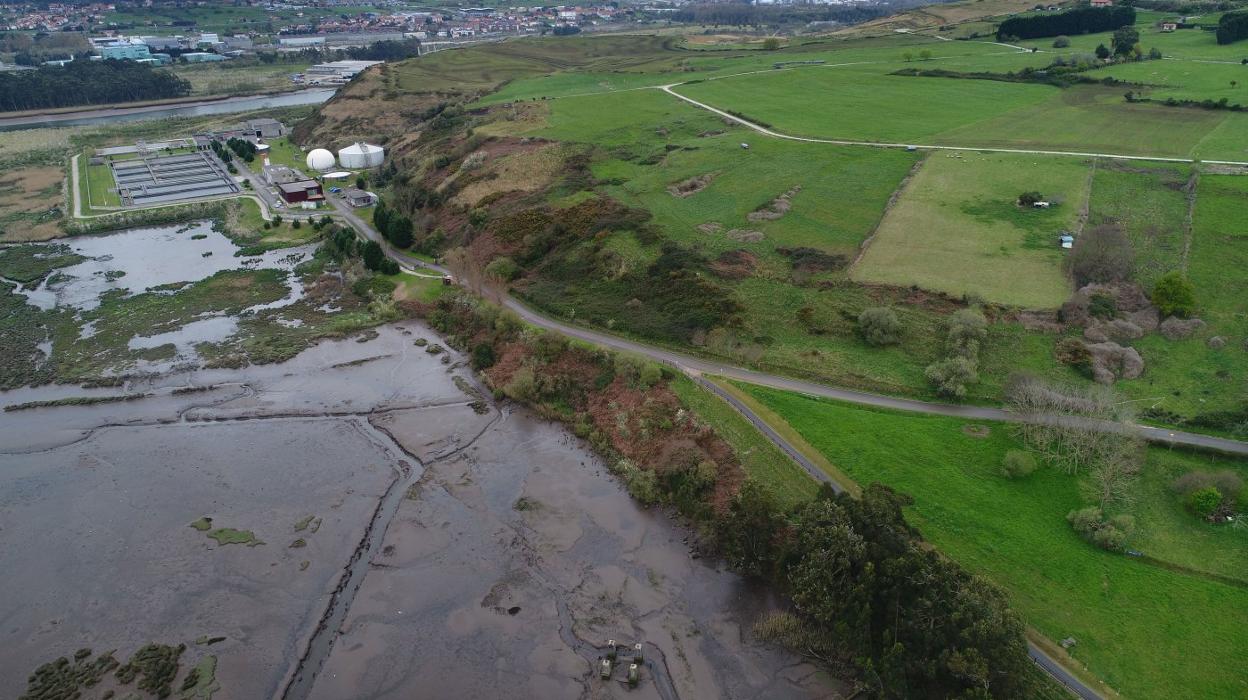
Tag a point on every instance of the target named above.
point(156, 180)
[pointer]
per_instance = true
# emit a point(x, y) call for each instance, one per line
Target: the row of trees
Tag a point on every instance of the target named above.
point(243, 148)
point(1232, 27)
point(871, 593)
point(87, 83)
point(1084, 431)
point(393, 225)
point(1083, 20)
point(342, 245)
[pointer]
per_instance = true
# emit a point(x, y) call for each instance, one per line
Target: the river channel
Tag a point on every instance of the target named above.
point(409, 538)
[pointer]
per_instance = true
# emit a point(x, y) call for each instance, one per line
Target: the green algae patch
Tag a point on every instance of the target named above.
point(228, 535)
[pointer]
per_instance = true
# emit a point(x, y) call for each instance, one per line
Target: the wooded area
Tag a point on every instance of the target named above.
point(87, 83)
point(1085, 20)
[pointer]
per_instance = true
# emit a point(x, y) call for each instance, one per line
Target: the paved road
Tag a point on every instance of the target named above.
point(929, 147)
point(696, 366)
point(765, 428)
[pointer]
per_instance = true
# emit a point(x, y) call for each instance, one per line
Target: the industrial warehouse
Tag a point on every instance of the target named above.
point(205, 166)
point(159, 179)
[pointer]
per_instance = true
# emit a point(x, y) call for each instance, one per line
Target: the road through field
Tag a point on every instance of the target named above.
point(928, 147)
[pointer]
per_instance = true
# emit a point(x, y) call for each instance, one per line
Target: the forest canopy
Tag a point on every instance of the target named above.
point(87, 83)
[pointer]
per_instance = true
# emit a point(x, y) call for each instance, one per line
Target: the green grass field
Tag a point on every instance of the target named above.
point(762, 460)
point(1150, 632)
point(1149, 203)
point(1188, 376)
point(842, 190)
point(284, 152)
point(228, 79)
point(100, 190)
point(864, 102)
point(958, 229)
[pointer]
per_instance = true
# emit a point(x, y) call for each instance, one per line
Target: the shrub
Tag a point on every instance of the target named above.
point(1061, 42)
point(1018, 464)
point(879, 326)
point(502, 269)
point(1204, 502)
point(483, 356)
point(1154, 54)
point(1174, 295)
point(1028, 199)
point(1101, 255)
point(1109, 534)
point(1226, 481)
point(295, 224)
point(1102, 52)
point(649, 375)
point(1125, 39)
point(951, 376)
point(522, 386)
point(967, 328)
point(771, 44)
point(1103, 306)
point(1073, 352)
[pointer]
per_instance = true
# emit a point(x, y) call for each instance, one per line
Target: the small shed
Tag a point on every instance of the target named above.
point(359, 198)
point(1067, 241)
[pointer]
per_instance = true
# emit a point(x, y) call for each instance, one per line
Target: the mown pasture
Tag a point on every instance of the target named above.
point(958, 228)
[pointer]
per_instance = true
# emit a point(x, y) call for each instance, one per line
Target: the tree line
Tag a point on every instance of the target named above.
point(1083, 20)
point(871, 593)
point(1232, 27)
point(87, 83)
point(741, 15)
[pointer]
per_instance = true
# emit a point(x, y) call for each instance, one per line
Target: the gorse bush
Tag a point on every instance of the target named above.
point(879, 326)
point(1018, 464)
point(1173, 295)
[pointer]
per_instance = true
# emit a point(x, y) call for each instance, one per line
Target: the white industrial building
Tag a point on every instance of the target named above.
point(360, 156)
point(337, 72)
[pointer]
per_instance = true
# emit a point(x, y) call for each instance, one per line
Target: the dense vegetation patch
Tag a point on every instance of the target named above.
point(1232, 27)
point(1082, 20)
point(87, 83)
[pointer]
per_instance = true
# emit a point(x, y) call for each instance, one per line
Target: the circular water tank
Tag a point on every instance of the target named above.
point(361, 155)
point(320, 159)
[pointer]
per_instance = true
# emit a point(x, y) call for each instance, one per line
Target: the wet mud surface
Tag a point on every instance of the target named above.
point(412, 546)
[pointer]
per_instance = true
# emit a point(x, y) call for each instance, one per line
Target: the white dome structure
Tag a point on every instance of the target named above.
point(320, 160)
point(361, 155)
